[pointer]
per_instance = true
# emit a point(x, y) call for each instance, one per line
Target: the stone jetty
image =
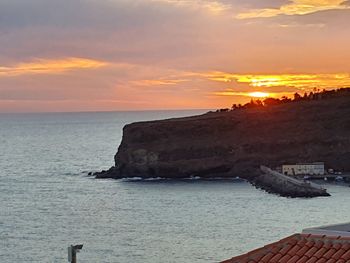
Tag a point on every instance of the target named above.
point(278, 183)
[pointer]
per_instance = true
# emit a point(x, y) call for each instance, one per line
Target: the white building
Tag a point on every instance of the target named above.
point(303, 169)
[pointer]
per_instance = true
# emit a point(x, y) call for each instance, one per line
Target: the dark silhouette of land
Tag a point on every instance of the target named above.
point(316, 94)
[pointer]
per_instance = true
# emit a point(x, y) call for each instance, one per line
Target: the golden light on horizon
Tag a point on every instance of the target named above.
point(255, 94)
point(259, 94)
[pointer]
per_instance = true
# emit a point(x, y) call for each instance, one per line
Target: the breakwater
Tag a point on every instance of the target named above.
point(275, 182)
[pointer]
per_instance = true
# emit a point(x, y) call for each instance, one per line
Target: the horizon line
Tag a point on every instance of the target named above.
point(97, 111)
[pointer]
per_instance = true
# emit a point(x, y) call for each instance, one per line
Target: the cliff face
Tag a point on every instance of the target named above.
point(236, 143)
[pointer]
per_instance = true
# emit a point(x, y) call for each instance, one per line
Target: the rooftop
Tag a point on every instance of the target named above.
point(342, 230)
point(327, 244)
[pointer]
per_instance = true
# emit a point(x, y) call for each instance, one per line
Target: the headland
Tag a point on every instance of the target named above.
point(235, 143)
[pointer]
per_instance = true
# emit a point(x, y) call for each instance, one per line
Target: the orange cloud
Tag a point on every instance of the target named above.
point(255, 94)
point(300, 81)
point(47, 66)
point(156, 82)
point(214, 7)
point(296, 7)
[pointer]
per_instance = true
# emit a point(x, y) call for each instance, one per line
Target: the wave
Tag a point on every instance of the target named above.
point(191, 178)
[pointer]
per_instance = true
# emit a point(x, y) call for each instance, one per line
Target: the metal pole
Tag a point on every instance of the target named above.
point(74, 255)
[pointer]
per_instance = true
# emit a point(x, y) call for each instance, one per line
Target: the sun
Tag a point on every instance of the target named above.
point(258, 94)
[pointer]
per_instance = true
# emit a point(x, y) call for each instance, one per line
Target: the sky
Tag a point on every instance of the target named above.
point(105, 55)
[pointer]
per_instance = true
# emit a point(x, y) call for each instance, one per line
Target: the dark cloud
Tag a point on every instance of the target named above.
point(112, 30)
point(71, 14)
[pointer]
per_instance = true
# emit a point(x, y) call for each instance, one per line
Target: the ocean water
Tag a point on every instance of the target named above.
point(48, 202)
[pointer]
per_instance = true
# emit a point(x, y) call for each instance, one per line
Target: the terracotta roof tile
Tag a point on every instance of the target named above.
point(321, 260)
point(337, 255)
point(276, 258)
point(267, 257)
point(294, 259)
point(311, 252)
point(302, 251)
point(328, 244)
point(303, 259)
point(329, 253)
point(300, 248)
point(285, 258)
point(294, 250)
point(312, 260)
point(337, 246)
point(319, 253)
point(346, 246)
point(310, 243)
point(319, 243)
point(346, 256)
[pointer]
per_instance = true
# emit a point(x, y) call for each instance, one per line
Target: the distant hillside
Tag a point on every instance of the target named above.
point(235, 143)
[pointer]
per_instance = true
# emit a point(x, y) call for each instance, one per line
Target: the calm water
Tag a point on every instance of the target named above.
point(48, 202)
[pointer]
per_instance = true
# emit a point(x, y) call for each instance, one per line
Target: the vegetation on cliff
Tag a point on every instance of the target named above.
point(316, 94)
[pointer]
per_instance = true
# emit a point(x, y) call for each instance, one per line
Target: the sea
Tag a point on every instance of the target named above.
point(48, 202)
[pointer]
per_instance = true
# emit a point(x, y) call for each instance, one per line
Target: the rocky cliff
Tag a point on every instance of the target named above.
point(236, 143)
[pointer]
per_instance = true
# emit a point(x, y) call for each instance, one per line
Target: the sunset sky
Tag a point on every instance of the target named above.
point(99, 55)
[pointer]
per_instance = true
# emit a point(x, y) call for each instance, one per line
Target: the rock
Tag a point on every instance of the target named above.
point(112, 172)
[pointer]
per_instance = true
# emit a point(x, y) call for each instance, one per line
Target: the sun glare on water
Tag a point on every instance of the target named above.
point(258, 94)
